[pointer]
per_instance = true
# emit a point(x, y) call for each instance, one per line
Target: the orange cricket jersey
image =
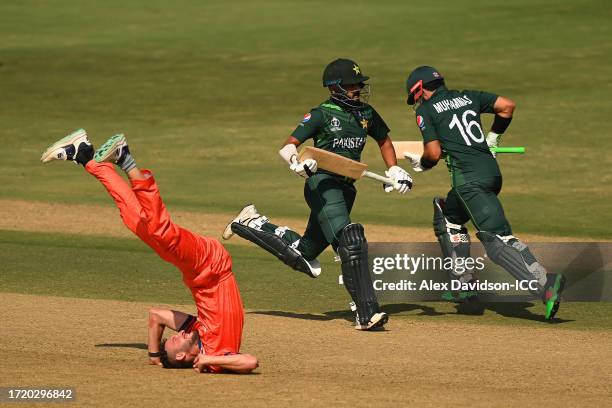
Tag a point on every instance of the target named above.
point(217, 298)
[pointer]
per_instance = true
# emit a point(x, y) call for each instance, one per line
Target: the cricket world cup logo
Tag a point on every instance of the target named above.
point(335, 124)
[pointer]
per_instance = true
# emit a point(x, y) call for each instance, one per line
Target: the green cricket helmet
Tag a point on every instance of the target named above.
point(342, 72)
point(418, 79)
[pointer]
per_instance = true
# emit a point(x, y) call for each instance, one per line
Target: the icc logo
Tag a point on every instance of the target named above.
point(335, 124)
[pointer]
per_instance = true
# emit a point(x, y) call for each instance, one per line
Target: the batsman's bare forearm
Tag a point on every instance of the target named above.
point(387, 151)
point(504, 109)
point(292, 140)
point(237, 363)
point(432, 153)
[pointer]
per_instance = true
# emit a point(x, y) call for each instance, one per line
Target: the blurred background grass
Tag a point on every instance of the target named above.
point(207, 91)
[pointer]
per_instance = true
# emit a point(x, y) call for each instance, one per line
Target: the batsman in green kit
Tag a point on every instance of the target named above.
point(341, 125)
point(449, 122)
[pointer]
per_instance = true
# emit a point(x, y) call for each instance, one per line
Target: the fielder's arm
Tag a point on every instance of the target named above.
point(159, 319)
point(237, 363)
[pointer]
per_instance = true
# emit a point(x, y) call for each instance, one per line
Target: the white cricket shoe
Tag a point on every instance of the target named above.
point(248, 216)
point(67, 148)
point(376, 322)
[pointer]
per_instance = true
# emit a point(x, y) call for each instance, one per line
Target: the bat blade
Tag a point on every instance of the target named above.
point(334, 162)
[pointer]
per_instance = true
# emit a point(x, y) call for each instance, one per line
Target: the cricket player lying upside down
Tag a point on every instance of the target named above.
point(210, 342)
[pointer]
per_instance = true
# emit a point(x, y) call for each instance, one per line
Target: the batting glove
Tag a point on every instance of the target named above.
point(415, 161)
point(304, 169)
point(402, 182)
point(493, 140)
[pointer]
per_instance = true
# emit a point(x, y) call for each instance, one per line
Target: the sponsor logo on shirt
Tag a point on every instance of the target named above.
point(335, 124)
point(306, 118)
point(420, 122)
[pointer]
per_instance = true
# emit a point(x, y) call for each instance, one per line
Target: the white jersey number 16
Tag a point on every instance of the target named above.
point(466, 128)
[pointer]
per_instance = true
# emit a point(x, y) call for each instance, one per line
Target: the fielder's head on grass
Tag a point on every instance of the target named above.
point(180, 350)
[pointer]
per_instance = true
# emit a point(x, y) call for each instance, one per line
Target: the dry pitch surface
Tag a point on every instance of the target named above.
point(98, 347)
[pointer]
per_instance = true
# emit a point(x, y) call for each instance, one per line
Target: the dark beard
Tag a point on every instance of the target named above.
point(195, 339)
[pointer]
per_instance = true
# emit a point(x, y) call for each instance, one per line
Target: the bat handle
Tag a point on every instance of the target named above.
point(519, 150)
point(378, 177)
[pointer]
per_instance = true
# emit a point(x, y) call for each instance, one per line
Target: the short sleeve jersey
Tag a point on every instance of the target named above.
point(341, 131)
point(453, 118)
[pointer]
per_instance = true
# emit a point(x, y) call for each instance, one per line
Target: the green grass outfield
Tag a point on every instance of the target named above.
point(125, 269)
point(206, 92)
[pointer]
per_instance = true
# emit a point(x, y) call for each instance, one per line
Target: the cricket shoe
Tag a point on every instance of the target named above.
point(249, 217)
point(114, 150)
point(75, 147)
point(555, 283)
point(376, 322)
point(311, 268)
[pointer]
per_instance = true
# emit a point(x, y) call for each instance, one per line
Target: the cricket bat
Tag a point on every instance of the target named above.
point(340, 165)
point(416, 147)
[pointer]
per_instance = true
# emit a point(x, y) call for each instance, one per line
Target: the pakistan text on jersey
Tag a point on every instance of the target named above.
point(349, 142)
point(454, 103)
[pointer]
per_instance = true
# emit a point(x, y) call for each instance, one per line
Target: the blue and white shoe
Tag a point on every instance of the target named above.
point(75, 147)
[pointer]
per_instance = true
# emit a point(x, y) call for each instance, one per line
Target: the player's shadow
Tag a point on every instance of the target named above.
point(520, 310)
point(139, 346)
point(517, 310)
point(306, 316)
point(349, 316)
point(396, 308)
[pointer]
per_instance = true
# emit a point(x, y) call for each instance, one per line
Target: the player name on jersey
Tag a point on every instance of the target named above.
point(455, 103)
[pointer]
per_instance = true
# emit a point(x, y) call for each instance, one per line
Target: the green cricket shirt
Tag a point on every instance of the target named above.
point(453, 118)
point(340, 131)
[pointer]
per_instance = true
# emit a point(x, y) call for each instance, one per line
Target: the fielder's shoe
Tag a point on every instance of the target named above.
point(555, 283)
point(74, 147)
point(114, 150)
point(248, 216)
